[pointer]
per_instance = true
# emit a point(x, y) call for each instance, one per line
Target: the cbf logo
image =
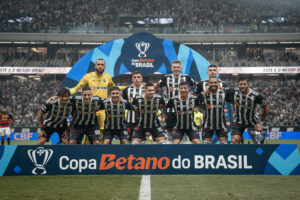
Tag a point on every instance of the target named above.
point(40, 157)
point(142, 47)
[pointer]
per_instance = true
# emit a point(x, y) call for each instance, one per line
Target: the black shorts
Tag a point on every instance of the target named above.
point(109, 134)
point(130, 128)
point(238, 129)
point(170, 120)
point(49, 131)
point(77, 134)
point(208, 133)
point(141, 132)
point(191, 133)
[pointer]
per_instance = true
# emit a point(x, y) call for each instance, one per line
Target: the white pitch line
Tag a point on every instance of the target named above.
point(145, 188)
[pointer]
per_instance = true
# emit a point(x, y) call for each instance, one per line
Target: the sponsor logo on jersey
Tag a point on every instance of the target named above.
point(99, 88)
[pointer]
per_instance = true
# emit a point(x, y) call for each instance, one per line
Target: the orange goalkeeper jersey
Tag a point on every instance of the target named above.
point(98, 84)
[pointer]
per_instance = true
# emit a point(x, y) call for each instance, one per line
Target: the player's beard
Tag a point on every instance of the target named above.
point(243, 90)
point(115, 100)
point(213, 88)
point(100, 71)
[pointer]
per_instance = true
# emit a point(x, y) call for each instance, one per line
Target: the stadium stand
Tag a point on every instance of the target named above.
point(25, 98)
point(281, 93)
point(195, 16)
point(228, 58)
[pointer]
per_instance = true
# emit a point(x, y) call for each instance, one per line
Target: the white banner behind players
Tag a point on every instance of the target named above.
point(259, 70)
point(222, 70)
point(34, 70)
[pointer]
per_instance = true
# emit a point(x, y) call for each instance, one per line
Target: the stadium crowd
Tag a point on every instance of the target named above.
point(12, 57)
point(34, 15)
point(24, 99)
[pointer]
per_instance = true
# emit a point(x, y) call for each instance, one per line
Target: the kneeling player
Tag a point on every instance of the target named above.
point(184, 105)
point(57, 113)
point(115, 117)
point(85, 119)
point(147, 107)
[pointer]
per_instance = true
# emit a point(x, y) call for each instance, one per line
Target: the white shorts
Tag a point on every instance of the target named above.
point(5, 131)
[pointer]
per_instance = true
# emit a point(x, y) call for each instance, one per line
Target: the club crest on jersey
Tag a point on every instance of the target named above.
point(104, 80)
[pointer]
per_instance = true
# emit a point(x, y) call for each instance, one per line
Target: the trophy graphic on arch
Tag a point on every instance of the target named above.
point(142, 47)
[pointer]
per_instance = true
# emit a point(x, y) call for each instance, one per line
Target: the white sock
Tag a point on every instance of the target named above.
point(185, 139)
point(169, 138)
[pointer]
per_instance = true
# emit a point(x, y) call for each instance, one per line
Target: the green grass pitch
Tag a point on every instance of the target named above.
point(163, 187)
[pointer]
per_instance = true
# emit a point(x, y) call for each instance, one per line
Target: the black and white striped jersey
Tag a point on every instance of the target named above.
point(57, 115)
point(184, 110)
point(245, 106)
point(213, 105)
point(147, 110)
point(128, 94)
point(115, 114)
point(172, 83)
point(86, 112)
point(204, 84)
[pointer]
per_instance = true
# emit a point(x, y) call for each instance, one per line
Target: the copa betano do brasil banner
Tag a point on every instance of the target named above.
point(283, 159)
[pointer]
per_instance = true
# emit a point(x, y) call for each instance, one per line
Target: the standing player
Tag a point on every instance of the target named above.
point(171, 82)
point(85, 120)
point(245, 103)
point(147, 107)
point(99, 81)
point(184, 105)
point(214, 118)
point(115, 108)
point(212, 71)
point(130, 92)
point(6, 120)
point(57, 113)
